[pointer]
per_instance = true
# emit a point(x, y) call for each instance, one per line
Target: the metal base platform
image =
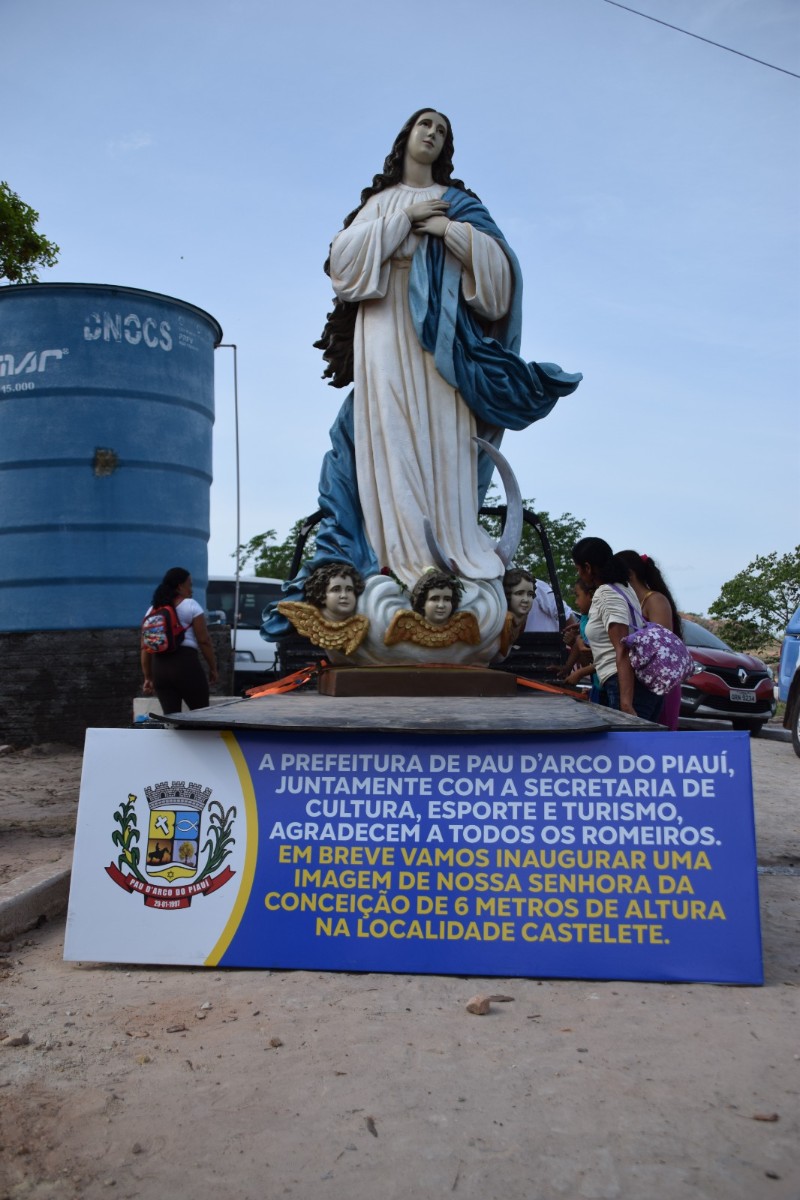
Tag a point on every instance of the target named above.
point(528, 713)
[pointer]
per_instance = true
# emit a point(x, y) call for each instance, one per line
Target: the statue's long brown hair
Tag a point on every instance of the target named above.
point(336, 341)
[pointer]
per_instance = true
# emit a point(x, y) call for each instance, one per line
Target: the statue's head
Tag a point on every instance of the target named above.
point(414, 133)
point(520, 587)
point(436, 595)
point(426, 137)
point(334, 589)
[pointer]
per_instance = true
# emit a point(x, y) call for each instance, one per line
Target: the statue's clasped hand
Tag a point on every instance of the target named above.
point(429, 216)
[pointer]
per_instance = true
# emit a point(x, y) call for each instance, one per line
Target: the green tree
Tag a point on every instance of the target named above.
point(272, 558)
point(22, 249)
point(755, 606)
point(562, 533)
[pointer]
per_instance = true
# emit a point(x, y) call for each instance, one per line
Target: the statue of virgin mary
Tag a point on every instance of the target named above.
point(426, 328)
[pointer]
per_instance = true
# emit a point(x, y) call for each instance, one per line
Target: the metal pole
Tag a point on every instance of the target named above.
point(232, 346)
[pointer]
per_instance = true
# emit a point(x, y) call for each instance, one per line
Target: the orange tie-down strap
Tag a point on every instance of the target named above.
point(549, 687)
point(289, 683)
point(297, 679)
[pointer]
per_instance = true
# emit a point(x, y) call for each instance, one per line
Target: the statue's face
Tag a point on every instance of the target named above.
point(340, 598)
point(438, 605)
point(520, 600)
point(427, 137)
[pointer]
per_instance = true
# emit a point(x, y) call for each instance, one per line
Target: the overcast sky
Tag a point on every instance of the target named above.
point(647, 181)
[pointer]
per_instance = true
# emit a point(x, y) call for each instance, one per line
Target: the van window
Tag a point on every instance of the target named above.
point(254, 596)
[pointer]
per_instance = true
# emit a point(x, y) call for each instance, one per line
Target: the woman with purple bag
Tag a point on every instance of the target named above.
point(615, 612)
point(657, 604)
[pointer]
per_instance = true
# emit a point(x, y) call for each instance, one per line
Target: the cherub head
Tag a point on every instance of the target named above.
point(520, 587)
point(334, 589)
point(436, 595)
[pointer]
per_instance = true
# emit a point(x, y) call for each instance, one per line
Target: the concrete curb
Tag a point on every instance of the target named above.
point(770, 731)
point(40, 895)
point(776, 733)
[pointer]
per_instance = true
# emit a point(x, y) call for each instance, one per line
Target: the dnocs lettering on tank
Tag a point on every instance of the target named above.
point(134, 329)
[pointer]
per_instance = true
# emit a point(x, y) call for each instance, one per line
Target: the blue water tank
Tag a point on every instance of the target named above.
point(106, 416)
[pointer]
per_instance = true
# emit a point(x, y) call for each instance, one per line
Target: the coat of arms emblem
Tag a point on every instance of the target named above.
point(179, 860)
point(176, 813)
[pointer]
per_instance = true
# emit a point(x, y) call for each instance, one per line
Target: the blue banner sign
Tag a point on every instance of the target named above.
point(615, 856)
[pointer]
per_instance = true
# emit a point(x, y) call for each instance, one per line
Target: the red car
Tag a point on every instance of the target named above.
point(728, 686)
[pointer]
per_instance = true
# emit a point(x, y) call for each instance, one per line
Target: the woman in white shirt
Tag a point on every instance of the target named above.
point(608, 624)
point(178, 675)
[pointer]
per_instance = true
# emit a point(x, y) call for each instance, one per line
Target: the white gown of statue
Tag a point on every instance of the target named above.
point(413, 433)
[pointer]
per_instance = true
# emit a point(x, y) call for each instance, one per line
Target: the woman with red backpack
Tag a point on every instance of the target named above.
point(174, 634)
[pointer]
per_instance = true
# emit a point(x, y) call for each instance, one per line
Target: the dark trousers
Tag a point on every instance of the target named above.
point(646, 704)
point(180, 676)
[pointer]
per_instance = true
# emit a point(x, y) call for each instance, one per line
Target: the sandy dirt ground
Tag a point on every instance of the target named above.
point(150, 1082)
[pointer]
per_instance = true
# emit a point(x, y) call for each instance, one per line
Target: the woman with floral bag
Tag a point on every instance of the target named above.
point(615, 613)
point(657, 605)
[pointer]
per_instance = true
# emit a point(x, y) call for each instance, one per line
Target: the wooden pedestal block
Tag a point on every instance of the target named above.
point(416, 681)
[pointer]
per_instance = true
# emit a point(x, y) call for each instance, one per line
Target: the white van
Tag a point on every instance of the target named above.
point(255, 659)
